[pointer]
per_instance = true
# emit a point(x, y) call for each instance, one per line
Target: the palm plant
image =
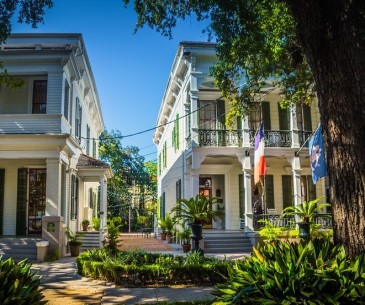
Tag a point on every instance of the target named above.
point(306, 210)
point(195, 210)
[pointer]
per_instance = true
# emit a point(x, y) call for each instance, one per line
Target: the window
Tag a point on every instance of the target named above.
point(94, 148)
point(287, 185)
point(284, 118)
point(87, 140)
point(308, 189)
point(304, 119)
point(78, 119)
point(260, 112)
point(241, 195)
point(39, 96)
point(207, 115)
point(269, 192)
point(74, 196)
point(66, 98)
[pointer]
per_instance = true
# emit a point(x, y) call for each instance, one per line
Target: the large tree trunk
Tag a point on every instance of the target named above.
point(332, 34)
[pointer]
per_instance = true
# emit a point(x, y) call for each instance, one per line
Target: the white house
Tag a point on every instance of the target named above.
point(49, 172)
point(198, 153)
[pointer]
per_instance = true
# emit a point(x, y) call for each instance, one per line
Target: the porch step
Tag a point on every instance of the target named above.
point(226, 242)
point(90, 240)
point(19, 248)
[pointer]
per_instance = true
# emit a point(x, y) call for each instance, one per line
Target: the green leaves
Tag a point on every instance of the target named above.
point(314, 272)
point(18, 284)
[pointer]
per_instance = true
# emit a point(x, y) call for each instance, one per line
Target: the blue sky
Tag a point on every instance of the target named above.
point(130, 70)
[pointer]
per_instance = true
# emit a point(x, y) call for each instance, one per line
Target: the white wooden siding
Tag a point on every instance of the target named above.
point(54, 93)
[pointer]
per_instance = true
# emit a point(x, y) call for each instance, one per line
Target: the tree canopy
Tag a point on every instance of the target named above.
point(306, 48)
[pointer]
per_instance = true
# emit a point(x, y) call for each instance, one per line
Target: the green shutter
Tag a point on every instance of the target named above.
point(312, 194)
point(241, 195)
point(287, 184)
point(221, 115)
point(162, 206)
point(177, 132)
point(265, 108)
point(239, 123)
point(307, 118)
point(269, 192)
point(21, 205)
point(284, 118)
point(2, 183)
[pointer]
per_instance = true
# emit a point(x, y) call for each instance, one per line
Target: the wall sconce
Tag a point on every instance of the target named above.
point(247, 153)
point(217, 192)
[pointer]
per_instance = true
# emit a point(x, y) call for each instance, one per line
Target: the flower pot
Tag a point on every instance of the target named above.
point(75, 249)
point(304, 229)
point(163, 236)
point(85, 227)
point(197, 230)
point(186, 248)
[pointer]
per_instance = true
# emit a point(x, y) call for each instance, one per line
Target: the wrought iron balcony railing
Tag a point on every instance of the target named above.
point(303, 136)
point(323, 220)
point(274, 138)
point(215, 137)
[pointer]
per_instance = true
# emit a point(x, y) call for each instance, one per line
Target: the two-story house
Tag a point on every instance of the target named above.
point(49, 172)
point(199, 154)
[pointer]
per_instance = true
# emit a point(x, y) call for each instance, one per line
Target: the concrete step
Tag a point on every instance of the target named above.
point(19, 248)
point(226, 242)
point(90, 240)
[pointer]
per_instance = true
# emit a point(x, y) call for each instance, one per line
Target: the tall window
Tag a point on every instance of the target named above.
point(308, 189)
point(39, 96)
point(78, 119)
point(74, 196)
point(66, 98)
point(260, 112)
point(288, 195)
point(207, 115)
point(304, 119)
point(87, 139)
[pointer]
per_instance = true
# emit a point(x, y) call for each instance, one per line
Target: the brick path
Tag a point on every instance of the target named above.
point(133, 242)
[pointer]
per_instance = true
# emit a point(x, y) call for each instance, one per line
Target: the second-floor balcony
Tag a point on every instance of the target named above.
point(33, 124)
point(234, 138)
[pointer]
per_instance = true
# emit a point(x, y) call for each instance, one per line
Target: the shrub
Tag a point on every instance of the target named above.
point(140, 268)
point(111, 240)
point(96, 223)
point(18, 284)
point(313, 272)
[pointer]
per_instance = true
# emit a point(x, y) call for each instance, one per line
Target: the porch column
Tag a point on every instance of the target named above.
point(103, 209)
point(247, 172)
point(194, 107)
point(246, 133)
point(53, 187)
point(294, 127)
point(296, 169)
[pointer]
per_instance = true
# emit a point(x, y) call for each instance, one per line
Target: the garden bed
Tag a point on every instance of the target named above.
point(143, 269)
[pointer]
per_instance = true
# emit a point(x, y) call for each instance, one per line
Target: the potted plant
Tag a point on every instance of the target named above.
point(185, 236)
point(74, 241)
point(305, 212)
point(169, 227)
point(195, 211)
point(85, 224)
point(163, 228)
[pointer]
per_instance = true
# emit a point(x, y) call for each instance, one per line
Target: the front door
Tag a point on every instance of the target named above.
point(36, 199)
point(205, 189)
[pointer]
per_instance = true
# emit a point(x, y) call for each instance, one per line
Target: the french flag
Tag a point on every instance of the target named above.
point(260, 166)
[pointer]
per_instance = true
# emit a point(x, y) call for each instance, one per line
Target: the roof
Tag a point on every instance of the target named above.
point(87, 161)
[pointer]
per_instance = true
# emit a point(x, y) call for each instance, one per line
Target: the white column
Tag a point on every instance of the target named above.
point(294, 127)
point(296, 169)
point(103, 209)
point(53, 187)
point(247, 172)
point(246, 133)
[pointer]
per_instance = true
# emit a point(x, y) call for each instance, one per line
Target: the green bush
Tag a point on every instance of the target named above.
point(140, 268)
point(313, 272)
point(18, 284)
point(96, 223)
